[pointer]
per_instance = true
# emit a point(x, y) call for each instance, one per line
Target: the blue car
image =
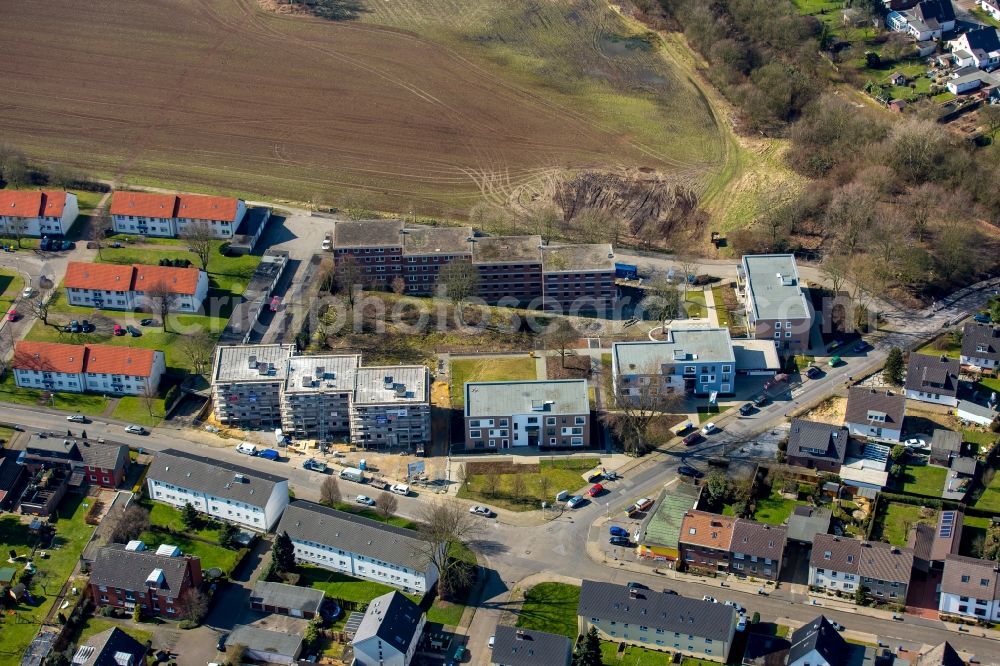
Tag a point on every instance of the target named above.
point(269, 454)
point(983, 318)
point(618, 531)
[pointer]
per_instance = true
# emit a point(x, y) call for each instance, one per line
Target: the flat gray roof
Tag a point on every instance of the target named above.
point(695, 345)
point(572, 258)
point(400, 384)
point(242, 363)
point(309, 374)
point(554, 396)
point(756, 355)
point(437, 240)
point(775, 286)
point(287, 596)
point(265, 640)
point(368, 233)
point(507, 250)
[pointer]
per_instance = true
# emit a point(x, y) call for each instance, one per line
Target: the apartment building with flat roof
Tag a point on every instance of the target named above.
point(510, 268)
point(697, 361)
point(777, 308)
point(544, 413)
point(391, 407)
point(247, 381)
point(317, 396)
point(579, 278)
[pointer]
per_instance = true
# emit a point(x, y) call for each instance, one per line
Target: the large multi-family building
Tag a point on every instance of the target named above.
point(118, 287)
point(515, 270)
point(53, 366)
point(714, 543)
point(37, 212)
point(970, 587)
point(932, 379)
point(551, 413)
point(317, 396)
point(777, 307)
point(247, 382)
point(696, 361)
point(819, 446)
point(875, 414)
point(171, 215)
point(657, 620)
point(100, 464)
point(391, 407)
point(981, 346)
point(131, 576)
point(842, 564)
point(218, 488)
point(359, 546)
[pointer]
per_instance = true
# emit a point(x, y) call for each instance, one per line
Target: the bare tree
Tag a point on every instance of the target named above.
point(326, 274)
point(544, 486)
point(349, 275)
point(641, 397)
point(559, 335)
point(193, 605)
point(689, 265)
point(129, 525)
point(491, 482)
point(38, 307)
point(148, 397)
point(198, 347)
point(835, 268)
point(236, 654)
point(386, 504)
point(200, 238)
point(329, 491)
point(518, 487)
point(445, 526)
point(161, 300)
point(398, 285)
point(545, 222)
point(100, 226)
point(458, 281)
point(662, 300)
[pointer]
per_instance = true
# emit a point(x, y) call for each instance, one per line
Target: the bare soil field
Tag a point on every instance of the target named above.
point(424, 105)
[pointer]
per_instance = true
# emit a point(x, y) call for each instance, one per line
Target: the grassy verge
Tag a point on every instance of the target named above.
point(550, 607)
point(924, 480)
point(720, 306)
point(212, 555)
point(225, 274)
point(487, 370)
point(990, 499)
point(11, 284)
point(983, 440)
point(632, 656)
point(559, 474)
point(340, 586)
point(91, 405)
point(134, 410)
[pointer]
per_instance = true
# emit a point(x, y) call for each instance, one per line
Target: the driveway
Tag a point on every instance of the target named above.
point(231, 603)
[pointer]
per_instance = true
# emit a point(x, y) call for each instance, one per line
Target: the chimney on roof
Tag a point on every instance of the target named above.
point(519, 635)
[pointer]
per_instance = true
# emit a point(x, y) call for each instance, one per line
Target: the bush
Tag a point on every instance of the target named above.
point(170, 397)
point(187, 624)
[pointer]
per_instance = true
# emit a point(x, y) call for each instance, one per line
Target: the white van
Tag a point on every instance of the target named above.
point(246, 448)
point(353, 474)
point(562, 496)
point(400, 489)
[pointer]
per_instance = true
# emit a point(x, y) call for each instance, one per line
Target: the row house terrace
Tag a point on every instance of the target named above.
point(172, 215)
point(120, 287)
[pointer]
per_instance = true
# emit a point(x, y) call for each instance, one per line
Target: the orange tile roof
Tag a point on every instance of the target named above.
point(120, 360)
point(177, 280)
point(707, 529)
point(109, 277)
point(53, 203)
point(143, 204)
point(201, 207)
point(49, 356)
point(20, 203)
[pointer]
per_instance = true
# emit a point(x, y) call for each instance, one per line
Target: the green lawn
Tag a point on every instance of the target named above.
point(225, 274)
point(923, 480)
point(168, 518)
point(633, 656)
point(134, 410)
point(443, 612)
point(488, 370)
point(551, 607)
point(774, 510)
point(973, 530)
point(95, 625)
point(694, 304)
point(11, 284)
point(989, 384)
point(87, 200)
point(894, 522)
point(212, 555)
point(562, 474)
point(340, 586)
point(945, 344)
point(803, 361)
point(91, 405)
point(990, 499)
point(984, 440)
point(72, 534)
point(984, 18)
point(720, 306)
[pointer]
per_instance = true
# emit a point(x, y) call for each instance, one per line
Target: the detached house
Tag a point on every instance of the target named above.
point(819, 446)
point(130, 576)
point(700, 361)
point(971, 588)
point(875, 414)
point(928, 20)
point(977, 48)
point(171, 215)
point(101, 464)
point(53, 366)
point(37, 212)
point(842, 564)
point(817, 643)
point(116, 287)
point(933, 379)
point(981, 346)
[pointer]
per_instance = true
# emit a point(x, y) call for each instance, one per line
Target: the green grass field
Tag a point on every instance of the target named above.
point(339, 586)
point(11, 284)
point(973, 533)
point(990, 499)
point(72, 534)
point(550, 607)
point(560, 474)
point(166, 517)
point(944, 344)
point(720, 306)
point(632, 656)
point(894, 521)
point(694, 304)
point(774, 510)
point(225, 274)
point(924, 480)
point(95, 625)
point(491, 369)
point(91, 405)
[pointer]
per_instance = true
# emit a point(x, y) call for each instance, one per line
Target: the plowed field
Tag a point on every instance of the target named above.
point(417, 104)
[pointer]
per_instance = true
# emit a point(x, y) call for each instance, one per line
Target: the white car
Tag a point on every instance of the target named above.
point(135, 430)
point(480, 511)
point(364, 499)
point(710, 598)
point(709, 428)
point(28, 292)
point(915, 443)
point(739, 609)
point(493, 640)
point(574, 501)
point(742, 624)
point(77, 418)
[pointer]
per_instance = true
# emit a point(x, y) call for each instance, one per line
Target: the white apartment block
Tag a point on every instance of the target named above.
point(37, 212)
point(236, 494)
point(171, 215)
point(359, 547)
point(120, 287)
point(52, 366)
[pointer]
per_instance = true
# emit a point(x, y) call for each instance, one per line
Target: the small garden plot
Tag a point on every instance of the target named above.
point(894, 521)
point(551, 607)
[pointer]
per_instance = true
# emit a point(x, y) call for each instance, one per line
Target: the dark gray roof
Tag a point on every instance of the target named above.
point(367, 233)
point(970, 577)
point(263, 640)
point(936, 10)
point(882, 561)
point(808, 521)
point(126, 569)
point(670, 612)
point(287, 596)
point(937, 374)
point(821, 636)
point(437, 241)
point(946, 441)
point(106, 649)
point(822, 441)
point(985, 335)
point(507, 250)
point(964, 465)
point(765, 650)
point(306, 521)
point(391, 617)
point(863, 401)
point(525, 647)
point(760, 539)
point(941, 655)
point(104, 456)
point(66, 448)
point(213, 476)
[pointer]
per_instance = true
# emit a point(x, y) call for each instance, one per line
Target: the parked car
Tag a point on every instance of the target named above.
point(709, 597)
point(687, 470)
point(492, 641)
point(118, 330)
point(915, 443)
point(774, 381)
point(12, 314)
point(632, 585)
point(327, 243)
point(615, 530)
point(741, 625)
point(813, 372)
point(269, 454)
point(836, 625)
point(220, 645)
point(136, 430)
point(834, 362)
point(66, 245)
point(692, 439)
point(481, 511)
point(74, 327)
point(709, 428)
point(861, 346)
point(983, 317)
point(761, 400)
point(87, 327)
point(46, 244)
point(364, 499)
point(147, 322)
point(739, 609)
point(595, 490)
point(133, 331)
point(683, 428)
point(28, 292)
point(746, 409)
point(314, 465)
point(574, 501)
point(400, 489)
point(619, 541)
point(77, 418)
point(644, 504)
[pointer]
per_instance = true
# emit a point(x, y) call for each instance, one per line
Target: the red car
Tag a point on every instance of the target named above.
point(595, 490)
point(692, 439)
point(118, 330)
point(12, 315)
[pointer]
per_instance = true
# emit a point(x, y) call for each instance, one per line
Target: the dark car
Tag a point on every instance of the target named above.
point(813, 372)
point(133, 331)
point(220, 645)
point(693, 439)
point(687, 470)
point(147, 322)
point(46, 244)
point(761, 400)
point(861, 346)
point(87, 327)
point(632, 585)
point(619, 541)
point(74, 327)
point(67, 245)
point(617, 531)
point(746, 409)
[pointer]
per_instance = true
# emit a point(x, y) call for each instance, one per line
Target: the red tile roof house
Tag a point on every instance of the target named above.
point(127, 576)
point(52, 366)
point(171, 215)
point(117, 287)
point(37, 212)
